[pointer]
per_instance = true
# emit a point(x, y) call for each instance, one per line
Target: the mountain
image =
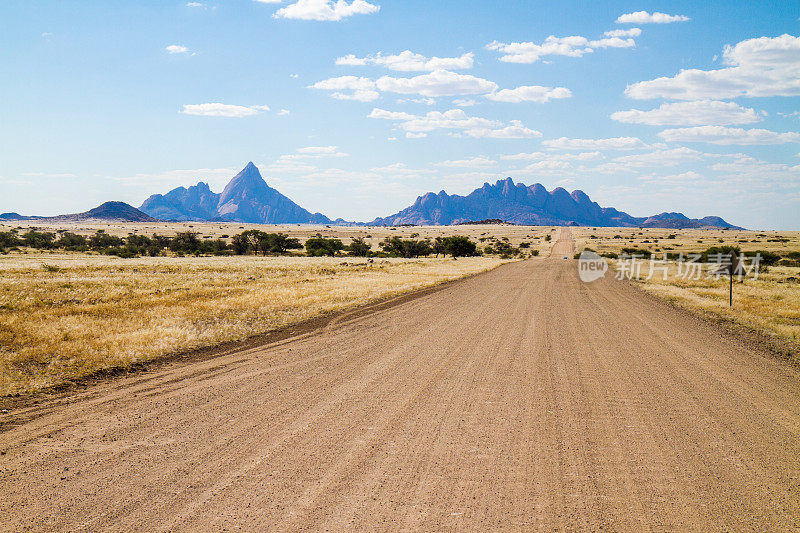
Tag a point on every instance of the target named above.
point(197, 202)
point(246, 198)
point(531, 205)
point(116, 211)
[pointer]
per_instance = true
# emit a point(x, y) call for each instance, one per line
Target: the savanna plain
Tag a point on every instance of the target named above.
point(66, 315)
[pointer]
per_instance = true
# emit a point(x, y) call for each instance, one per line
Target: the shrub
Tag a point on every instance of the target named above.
point(39, 239)
point(406, 247)
point(319, 246)
point(459, 246)
point(358, 247)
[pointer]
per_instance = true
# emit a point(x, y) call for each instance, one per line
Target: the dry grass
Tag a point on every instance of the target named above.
point(769, 304)
point(66, 316)
point(662, 240)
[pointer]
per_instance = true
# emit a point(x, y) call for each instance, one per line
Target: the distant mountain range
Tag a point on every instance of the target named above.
point(247, 198)
point(531, 205)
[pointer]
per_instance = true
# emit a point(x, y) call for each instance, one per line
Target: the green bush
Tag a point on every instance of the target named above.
point(358, 247)
point(319, 246)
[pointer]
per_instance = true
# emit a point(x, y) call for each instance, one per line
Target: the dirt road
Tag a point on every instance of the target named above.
point(519, 399)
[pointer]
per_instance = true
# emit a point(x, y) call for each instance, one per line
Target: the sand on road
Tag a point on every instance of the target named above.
point(521, 399)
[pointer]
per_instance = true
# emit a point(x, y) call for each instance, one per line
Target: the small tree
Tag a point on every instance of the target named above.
point(460, 246)
point(319, 246)
point(358, 247)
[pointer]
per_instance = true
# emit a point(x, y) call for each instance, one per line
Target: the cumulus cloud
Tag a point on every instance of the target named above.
point(745, 166)
point(437, 83)
point(759, 67)
point(408, 61)
point(529, 93)
point(360, 89)
point(472, 162)
point(325, 10)
point(728, 136)
point(632, 32)
point(400, 169)
point(700, 112)
point(571, 46)
point(659, 158)
point(457, 121)
point(216, 109)
point(176, 49)
point(314, 152)
point(583, 156)
point(643, 17)
point(464, 102)
point(615, 143)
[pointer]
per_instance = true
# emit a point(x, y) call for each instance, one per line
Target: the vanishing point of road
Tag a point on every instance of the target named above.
point(517, 399)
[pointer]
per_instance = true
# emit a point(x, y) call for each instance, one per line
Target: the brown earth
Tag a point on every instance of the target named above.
point(517, 399)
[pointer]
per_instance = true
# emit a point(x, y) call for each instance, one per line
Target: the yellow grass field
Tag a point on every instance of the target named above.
point(769, 304)
point(65, 316)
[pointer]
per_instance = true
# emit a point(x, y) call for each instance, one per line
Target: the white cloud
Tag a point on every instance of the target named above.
point(194, 4)
point(176, 49)
point(412, 135)
point(294, 76)
point(473, 162)
point(464, 102)
point(408, 61)
point(745, 166)
point(423, 101)
point(457, 120)
point(571, 46)
point(701, 112)
point(284, 112)
point(326, 10)
point(437, 83)
point(314, 152)
point(529, 93)
point(643, 17)
point(615, 143)
point(583, 156)
point(759, 67)
point(516, 130)
point(665, 158)
point(400, 169)
point(216, 109)
point(728, 136)
point(268, 1)
point(633, 32)
point(688, 176)
point(360, 89)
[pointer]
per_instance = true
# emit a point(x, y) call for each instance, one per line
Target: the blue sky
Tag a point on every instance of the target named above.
point(356, 108)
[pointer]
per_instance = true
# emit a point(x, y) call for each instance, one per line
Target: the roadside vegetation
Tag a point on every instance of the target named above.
point(769, 304)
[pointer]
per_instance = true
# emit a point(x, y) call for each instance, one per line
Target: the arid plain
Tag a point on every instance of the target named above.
point(521, 397)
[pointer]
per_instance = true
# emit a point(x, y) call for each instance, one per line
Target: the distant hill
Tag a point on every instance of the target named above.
point(246, 198)
point(518, 203)
point(116, 211)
